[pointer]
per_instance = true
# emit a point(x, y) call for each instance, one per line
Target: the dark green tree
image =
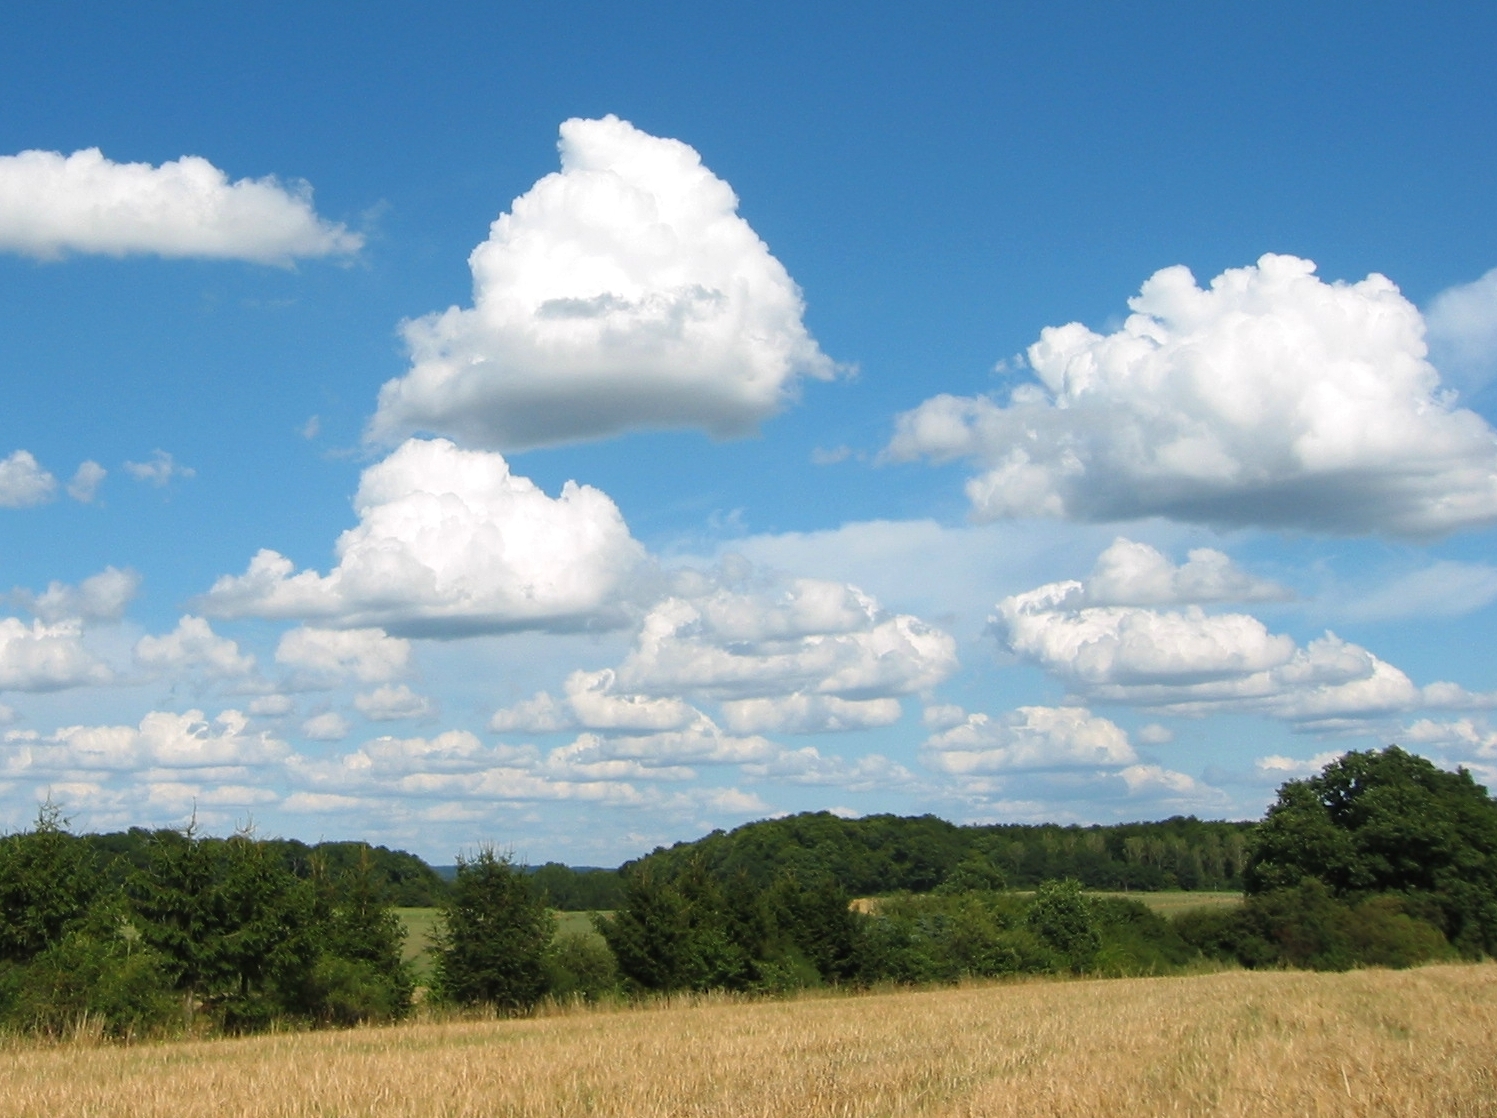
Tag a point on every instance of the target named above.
point(677, 932)
point(50, 885)
point(493, 937)
point(1388, 822)
point(238, 932)
point(361, 975)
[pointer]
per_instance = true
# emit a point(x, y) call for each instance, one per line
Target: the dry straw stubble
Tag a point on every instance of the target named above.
point(1407, 1043)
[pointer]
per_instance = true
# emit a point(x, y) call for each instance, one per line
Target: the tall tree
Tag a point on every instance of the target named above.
point(1380, 822)
point(492, 939)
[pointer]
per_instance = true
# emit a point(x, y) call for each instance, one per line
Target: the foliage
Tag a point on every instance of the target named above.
point(403, 879)
point(85, 978)
point(882, 854)
point(579, 890)
point(580, 966)
point(361, 975)
point(1063, 919)
point(237, 931)
point(491, 942)
point(1388, 822)
point(1307, 926)
point(50, 886)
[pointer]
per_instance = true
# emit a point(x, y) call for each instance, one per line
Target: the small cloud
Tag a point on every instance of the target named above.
point(1155, 734)
point(330, 726)
point(85, 483)
point(272, 706)
point(311, 428)
point(23, 482)
point(821, 456)
point(159, 470)
point(943, 716)
point(392, 704)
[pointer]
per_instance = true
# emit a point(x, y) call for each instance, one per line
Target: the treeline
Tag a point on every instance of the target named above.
point(192, 933)
point(406, 880)
point(882, 854)
point(1382, 859)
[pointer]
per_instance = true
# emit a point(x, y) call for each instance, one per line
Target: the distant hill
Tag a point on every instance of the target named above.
point(890, 853)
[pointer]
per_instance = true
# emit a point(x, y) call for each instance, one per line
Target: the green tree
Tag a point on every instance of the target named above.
point(677, 932)
point(493, 936)
point(50, 886)
point(238, 932)
point(1388, 822)
point(360, 974)
point(1063, 918)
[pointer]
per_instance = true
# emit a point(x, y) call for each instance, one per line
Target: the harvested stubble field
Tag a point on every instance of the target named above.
point(1406, 1043)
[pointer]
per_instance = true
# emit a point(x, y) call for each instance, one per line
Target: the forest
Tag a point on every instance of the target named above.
point(1382, 859)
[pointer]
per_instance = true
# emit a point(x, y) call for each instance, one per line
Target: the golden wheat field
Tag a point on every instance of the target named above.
point(1409, 1043)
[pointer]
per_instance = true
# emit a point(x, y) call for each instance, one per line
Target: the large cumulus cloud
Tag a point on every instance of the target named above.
point(450, 542)
point(1270, 398)
point(51, 204)
point(622, 292)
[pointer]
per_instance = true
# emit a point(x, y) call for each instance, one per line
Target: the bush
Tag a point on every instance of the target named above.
point(83, 980)
point(580, 966)
point(1063, 918)
point(1309, 927)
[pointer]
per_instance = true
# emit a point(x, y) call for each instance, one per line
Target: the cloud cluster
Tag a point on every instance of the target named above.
point(52, 205)
point(100, 597)
point(622, 292)
point(1065, 749)
point(43, 657)
point(193, 645)
point(1270, 398)
point(1188, 661)
point(329, 656)
point(162, 740)
point(449, 543)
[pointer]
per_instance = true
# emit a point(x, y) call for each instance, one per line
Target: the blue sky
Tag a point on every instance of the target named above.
point(860, 521)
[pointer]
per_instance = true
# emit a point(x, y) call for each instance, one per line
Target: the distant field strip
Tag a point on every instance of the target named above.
point(1410, 1043)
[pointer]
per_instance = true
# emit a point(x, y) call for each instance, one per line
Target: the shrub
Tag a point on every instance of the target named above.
point(84, 979)
point(580, 966)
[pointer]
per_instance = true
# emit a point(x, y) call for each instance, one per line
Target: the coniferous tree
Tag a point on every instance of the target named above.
point(495, 929)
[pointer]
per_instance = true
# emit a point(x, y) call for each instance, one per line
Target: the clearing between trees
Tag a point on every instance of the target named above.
point(1370, 1042)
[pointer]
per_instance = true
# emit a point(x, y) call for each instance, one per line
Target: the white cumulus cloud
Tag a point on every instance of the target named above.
point(329, 656)
point(42, 657)
point(392, 704)
point(162, 740)
point(193, 644)
point(23, 481)
point(1030, 738)
point(328, 726)
point(100, 597)
point(86, 481)
point(159, 470)
point(52, 205)
point(450, 542)
point(622, 292)
point(1189, 661)
point(1270, 398)
point(1463, 332)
